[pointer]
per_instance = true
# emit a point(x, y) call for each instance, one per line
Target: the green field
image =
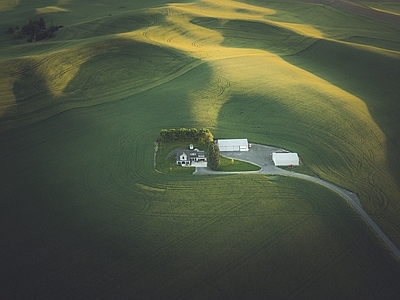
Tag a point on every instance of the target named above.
point(84, 213)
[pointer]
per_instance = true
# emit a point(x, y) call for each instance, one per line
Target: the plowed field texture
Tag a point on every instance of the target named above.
point(84, 213)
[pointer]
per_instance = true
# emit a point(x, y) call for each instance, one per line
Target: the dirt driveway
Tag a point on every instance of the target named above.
point(261, 155)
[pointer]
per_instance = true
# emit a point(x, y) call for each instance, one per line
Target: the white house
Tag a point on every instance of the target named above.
point(285, 159)
point(233, 145)
point(185, 157)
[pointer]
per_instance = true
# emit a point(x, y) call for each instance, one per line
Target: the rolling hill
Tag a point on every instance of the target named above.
point(84, 213)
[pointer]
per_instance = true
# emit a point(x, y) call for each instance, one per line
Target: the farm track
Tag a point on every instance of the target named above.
point(368, 162)
point(33, 64)
point(148, 232)
point(207, 227)
point(155, 257)
point(250, 254)
point(350, 197)
point(92, 184)
point(323, 271)
point(71, 99)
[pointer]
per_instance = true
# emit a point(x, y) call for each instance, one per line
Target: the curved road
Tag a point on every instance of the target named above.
point(262, 156)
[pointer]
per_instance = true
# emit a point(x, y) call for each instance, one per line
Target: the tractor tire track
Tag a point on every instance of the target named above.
point(245, 257)
point(153, 258)
point(322, 271)
point(350, 197)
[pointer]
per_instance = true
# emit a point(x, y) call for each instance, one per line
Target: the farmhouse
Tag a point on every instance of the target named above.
point(185, 157)
point(233, 145)
point(285, 159)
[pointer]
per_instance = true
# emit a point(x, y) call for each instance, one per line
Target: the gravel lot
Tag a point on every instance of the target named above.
point(259, 155)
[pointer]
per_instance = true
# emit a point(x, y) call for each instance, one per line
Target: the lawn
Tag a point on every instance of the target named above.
point(84, 213)
point(235, 165)
point(166, 157)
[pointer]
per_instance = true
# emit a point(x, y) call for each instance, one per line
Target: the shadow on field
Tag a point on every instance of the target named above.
point(256, 35)
point(98, 73)
point(370, 76)
point(73, 185)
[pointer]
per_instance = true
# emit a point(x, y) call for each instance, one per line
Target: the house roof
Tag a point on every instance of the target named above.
point(190, 153)
point(179, 152)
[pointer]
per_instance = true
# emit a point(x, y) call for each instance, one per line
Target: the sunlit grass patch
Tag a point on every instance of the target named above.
point(50, 9)
point(226, 9)
point(235, 165)
point(331, 22)
point(8, 4)
point(387, 7)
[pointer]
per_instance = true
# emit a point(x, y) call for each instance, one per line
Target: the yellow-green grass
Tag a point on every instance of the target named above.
point(87, 202)
point(331, 22)
point(42, 85)
point(235, 165)
point(375, 83)
point(39, 80)
point(83, 209)
point(371, 129)
point(387, 7)
point(257, 35)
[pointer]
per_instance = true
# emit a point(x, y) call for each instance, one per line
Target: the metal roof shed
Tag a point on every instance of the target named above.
point(233, 145)
point(285, 159)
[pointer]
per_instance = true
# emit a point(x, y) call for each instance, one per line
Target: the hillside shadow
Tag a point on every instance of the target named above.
point(367, 74)
point(68, 180)
point(115, 69)
point(370, 76)
point(256, 35)
point(325, 154)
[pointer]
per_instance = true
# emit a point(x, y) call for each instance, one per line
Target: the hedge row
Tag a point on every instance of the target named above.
point(201, 136)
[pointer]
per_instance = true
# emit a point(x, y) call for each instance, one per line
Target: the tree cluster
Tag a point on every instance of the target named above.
point(201, 136)
point(35, 29)
point(214, 158)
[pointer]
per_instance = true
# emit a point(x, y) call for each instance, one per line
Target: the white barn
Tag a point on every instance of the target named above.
point(233, 145)
point(285, 159)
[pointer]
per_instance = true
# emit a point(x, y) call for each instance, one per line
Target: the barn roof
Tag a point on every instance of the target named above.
point(285, 159)
point(232, 142)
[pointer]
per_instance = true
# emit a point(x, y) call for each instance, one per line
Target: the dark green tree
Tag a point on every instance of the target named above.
point(164, 135)
point(214, 158)
point(193, 133)
point(42, 24)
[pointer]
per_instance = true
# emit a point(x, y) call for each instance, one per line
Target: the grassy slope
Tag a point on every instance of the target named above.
point(388, 7)
point(94, 208)
point(344, 65)
point(83, 206)
point(287, 103)
point(43, 79)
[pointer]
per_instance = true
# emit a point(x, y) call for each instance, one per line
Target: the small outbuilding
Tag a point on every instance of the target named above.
point(285, 159)
point(233, 145)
